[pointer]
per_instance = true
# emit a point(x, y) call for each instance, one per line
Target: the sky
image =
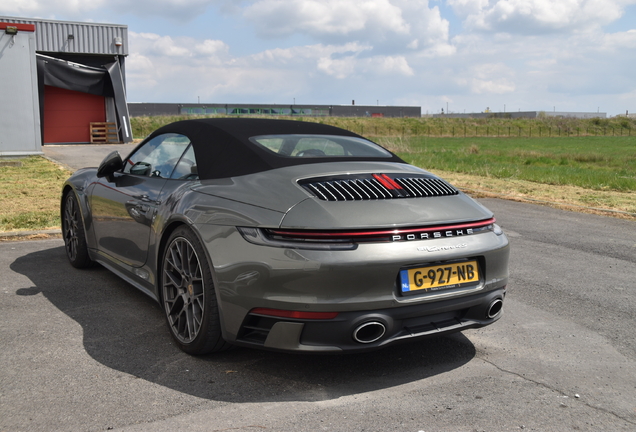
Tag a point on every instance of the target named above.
point(456, 55)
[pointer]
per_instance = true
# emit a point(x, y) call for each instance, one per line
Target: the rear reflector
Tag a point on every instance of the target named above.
point(294, 314)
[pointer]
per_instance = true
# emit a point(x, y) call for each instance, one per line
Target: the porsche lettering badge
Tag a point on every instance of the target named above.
point(431, 235)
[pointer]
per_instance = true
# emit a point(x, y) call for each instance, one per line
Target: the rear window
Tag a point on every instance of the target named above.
point(317, 146)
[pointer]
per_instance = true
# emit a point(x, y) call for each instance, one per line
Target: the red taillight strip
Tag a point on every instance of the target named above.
point(294, 314)
point(387, 181)
point(323, 234)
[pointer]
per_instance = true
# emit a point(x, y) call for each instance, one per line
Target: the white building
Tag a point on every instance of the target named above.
point(56, 78)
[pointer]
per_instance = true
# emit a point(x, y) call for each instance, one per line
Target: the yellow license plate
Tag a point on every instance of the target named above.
point(439, 277)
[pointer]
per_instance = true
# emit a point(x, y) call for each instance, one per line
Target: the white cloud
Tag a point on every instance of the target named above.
point(176, 10)
point(81, 9)
point(339, 68)
point(391, 26)
point(325, 18)
point(389, 65)
point(338, 61)
point(537, 16)
point(48, 8)
point(480, 86)
point(620, 41)
point(166, 64)
point(162, 45)
point(490, 78)
point(239, 83)
point(317, 51)
point(165, 46)
point(140, 72)
point(211, 48)
point(441, 50)
point(182, 67)
point(374, 66)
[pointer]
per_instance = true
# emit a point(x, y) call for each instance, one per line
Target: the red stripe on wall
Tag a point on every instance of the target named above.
point(20, 27)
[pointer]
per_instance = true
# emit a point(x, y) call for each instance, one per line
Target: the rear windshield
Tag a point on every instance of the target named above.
point(316, 146)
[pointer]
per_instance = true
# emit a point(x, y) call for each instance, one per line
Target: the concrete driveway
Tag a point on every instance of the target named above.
point(76, 156)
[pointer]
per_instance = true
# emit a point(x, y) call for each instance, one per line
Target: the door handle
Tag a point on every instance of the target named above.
point(146, 198)
point(140, 212)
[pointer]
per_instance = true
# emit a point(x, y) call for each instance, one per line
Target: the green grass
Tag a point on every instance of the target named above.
point(30, 194)
point(31, 220)
point(596, 163)
point(541, 127)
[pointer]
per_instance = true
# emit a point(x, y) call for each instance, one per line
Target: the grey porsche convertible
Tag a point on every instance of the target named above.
point(287, 235)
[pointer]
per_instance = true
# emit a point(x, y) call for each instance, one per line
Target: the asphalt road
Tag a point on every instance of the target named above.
point(85, 351)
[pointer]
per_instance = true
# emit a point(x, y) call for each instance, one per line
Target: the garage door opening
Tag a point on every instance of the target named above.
point(68, 114)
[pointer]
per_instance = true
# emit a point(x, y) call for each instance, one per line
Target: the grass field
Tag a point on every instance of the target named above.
point(542, 127)
point(597, 163)
point(587, 173)
point(30, 194)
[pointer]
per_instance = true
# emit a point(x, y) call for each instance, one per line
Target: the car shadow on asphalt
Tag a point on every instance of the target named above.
point(125, 330)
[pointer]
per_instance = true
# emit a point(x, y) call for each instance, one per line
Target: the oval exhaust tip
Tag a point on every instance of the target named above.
point(369, 332)
point(495, 308)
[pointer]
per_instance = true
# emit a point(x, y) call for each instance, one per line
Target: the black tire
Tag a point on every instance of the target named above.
point(188, 295)
point(74, 234)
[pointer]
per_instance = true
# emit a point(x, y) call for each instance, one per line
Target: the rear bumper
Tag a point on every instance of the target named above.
point(356, 331)
point(361, 285)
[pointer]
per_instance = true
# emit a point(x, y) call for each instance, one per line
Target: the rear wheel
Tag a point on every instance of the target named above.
point(188, 295)
point(74, 234)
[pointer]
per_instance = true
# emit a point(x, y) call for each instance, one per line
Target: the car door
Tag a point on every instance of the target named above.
point(124, 206)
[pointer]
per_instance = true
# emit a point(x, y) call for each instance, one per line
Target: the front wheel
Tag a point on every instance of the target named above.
point(74, 234)
point(188, 295)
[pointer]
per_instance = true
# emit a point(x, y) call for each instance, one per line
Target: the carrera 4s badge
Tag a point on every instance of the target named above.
point(442, 248)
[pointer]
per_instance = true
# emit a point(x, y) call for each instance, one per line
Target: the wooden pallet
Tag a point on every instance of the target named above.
point(104, 133)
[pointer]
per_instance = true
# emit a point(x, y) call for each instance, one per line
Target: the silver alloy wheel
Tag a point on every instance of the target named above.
point(183, 290)
point(71, 222)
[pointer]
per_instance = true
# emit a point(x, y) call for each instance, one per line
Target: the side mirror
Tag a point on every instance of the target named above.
point(141, 168)
point(110, 165)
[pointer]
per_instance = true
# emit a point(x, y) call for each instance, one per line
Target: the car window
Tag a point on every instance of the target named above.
point(318, 147)
point(157, 157)
point(186, 169)
point(304, 146)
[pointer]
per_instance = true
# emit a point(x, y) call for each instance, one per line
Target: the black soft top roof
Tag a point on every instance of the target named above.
point(223, 149)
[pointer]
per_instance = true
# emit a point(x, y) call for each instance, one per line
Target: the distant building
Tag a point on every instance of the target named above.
point(154, 109)
point(57, 77)
point(523, 114)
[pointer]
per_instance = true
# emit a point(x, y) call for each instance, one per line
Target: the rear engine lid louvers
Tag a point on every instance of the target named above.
point(377, 187)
